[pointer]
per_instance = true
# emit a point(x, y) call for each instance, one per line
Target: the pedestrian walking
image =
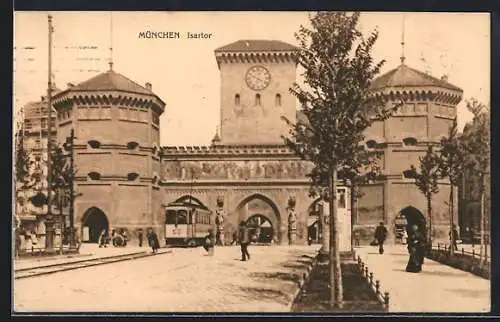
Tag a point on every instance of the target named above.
point(34, 242)
point(356, 238)
point(235, 240)
point(244, 241)
point(416, 248)
point(208, 242)
point(454, 237)
point(381, 235)
point(103, 239)
point(140, 236)
point(153, 240)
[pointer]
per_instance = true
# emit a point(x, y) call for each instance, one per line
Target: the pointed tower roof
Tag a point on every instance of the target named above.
point(404, 76)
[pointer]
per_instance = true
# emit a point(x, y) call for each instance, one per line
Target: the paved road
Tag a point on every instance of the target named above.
point(183, 281)
point(438, 288)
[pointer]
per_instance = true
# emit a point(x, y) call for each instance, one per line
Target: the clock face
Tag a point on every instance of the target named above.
point(258, 78)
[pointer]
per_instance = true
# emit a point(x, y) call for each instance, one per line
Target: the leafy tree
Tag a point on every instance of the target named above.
point(476, 143)
point(426, 179)
point(451, 167)
point(22, 164)
point(337, 104)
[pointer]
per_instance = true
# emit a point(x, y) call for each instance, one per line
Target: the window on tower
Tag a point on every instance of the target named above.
point(237, 99)
point(257, 99)
point(410, 141)
point(94, 175)
point(278, 100)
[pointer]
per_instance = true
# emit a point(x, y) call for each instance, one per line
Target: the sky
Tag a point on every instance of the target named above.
point(184, 73)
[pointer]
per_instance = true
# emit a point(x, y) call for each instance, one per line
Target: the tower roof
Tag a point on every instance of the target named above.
point(257, 45)
point(404, 76)
point(111, 81)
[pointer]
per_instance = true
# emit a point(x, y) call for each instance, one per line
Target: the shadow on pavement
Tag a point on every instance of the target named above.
point(289, 277)
point(470, 293)
point(262, 294)
point(424, 272)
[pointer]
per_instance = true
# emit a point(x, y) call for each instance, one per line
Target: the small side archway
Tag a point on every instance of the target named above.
point(94, 221)
point(413, 216)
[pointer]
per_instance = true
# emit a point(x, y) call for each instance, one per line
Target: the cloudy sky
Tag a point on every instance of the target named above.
point(184, 72)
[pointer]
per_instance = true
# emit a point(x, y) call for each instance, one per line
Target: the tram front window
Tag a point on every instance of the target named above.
point(182, 217)
point(170, 217)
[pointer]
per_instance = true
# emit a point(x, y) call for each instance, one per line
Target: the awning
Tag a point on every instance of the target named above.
point(27, 218)
point(312, 220)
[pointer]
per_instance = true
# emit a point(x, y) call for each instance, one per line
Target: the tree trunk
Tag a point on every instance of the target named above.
point(336, 288)
point(452, 235)
point(481, 210)
point(429, 214)
point(354, 213)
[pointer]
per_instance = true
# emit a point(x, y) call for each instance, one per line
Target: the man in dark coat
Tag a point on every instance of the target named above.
point(381, 235)
point(244, 241)
point(153, 240)
point(454, 237)
point(140, 236)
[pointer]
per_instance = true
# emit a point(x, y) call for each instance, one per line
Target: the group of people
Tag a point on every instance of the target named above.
point(416, 244)
point(242, 237)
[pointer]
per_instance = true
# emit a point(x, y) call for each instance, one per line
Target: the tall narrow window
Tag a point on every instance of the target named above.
point(278, 100)
point(257, 99)
point(237, 99)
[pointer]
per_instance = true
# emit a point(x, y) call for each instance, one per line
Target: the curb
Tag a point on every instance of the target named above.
point(303, 280)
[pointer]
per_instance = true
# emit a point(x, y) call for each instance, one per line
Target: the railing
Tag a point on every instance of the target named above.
point(382, 297)
point(463, 251)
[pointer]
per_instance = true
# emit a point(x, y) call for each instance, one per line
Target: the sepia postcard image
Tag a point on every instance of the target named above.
point(251, 162)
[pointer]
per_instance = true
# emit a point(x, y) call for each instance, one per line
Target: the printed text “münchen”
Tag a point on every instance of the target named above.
point(173, 35)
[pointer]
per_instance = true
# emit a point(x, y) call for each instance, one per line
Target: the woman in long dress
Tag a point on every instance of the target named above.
point(416, 248)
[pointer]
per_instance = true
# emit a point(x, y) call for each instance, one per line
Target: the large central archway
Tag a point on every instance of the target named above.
point(94, 221)
point(261, 216)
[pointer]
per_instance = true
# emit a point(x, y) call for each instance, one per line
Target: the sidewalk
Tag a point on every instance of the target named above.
point(438, 288)
point(87, 251)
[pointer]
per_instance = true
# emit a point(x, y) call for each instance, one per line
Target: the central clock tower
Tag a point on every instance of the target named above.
point(256, 76)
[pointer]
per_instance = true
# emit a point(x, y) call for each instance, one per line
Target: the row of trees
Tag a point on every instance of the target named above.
point(337, 103)
point(457, 152)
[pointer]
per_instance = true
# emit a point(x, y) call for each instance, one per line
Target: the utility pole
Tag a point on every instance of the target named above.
point(49, 221)
point(72, 189)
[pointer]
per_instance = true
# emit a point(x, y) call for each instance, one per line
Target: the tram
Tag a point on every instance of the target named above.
point(187, 224)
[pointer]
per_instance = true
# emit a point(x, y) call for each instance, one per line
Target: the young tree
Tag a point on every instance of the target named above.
point(476, 144)
point(451, 167)
point(426, 179)
point(339, 69)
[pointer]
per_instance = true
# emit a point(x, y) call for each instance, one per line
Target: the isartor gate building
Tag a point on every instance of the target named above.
point(125, 177)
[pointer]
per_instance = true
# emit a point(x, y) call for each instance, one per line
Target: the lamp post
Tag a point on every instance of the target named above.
point(49, 220)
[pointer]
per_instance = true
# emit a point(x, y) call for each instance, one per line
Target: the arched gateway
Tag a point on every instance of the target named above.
point(261, 216)
point(94, 221)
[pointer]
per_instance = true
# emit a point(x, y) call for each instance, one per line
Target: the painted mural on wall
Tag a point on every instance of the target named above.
point(235, 170)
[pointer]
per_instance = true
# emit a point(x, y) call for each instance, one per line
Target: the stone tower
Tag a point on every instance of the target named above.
point(428, 111)
point(117, 151)
point(255, 79)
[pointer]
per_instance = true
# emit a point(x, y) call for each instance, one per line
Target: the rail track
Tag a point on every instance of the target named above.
point(62, 267)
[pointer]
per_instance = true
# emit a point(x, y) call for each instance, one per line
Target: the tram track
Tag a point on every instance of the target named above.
point(62, 267)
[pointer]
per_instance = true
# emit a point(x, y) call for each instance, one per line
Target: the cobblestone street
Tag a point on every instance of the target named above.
point(186, 280)
point(438, 288)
